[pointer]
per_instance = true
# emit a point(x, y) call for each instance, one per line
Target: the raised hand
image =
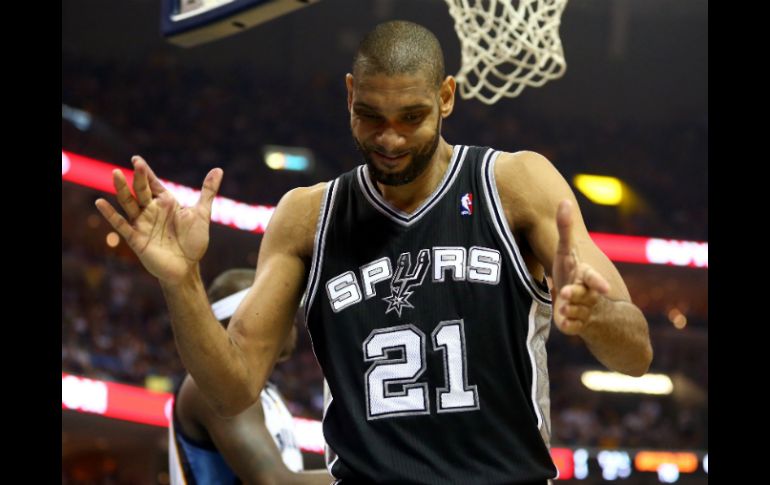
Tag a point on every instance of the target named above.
point(577, 286)
point(169, 239)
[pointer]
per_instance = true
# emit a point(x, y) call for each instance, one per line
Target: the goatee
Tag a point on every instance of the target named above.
point(420, 160)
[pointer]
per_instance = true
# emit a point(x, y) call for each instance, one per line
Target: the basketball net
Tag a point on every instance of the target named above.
point(506, 48)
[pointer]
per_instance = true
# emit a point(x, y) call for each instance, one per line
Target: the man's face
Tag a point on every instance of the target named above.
point(396, 124)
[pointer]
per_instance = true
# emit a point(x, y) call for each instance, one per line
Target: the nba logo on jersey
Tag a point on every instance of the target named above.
point(466, 204)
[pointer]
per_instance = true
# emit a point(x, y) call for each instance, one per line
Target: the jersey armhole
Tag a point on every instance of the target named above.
point(500, 223)
point(316, 265)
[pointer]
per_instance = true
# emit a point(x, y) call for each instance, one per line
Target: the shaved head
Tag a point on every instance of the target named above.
point(229, 282)
point(400, 47)
point(234, 280)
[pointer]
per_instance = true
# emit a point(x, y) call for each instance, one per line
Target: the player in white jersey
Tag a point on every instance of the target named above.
point(258, 445)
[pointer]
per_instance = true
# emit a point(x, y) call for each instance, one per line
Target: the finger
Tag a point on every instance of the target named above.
point(579, 294)
point(125, 197)
point(210, 188)
point(117, 221)
point(141, 186)
point(156, 187)
point(576, 312)
point(564, 224)
point(571, 327)
point(570, 291)
point(592, 279)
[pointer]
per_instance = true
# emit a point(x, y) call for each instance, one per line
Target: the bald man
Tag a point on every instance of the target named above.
point(423, 272)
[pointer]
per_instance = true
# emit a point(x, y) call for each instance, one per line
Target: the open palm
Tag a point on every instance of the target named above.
point(169, 239)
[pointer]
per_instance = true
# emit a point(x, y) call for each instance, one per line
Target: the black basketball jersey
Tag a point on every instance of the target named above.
point(431, 334)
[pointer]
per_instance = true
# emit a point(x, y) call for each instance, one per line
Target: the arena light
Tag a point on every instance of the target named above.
point(651, 461)
point(310, 435)
point(158, 383)
point(657, 384)
point(254, 218)
point(84, 395)
point(564, 460)
point(678, 253)
point(646, 250)
point(81, 119)
point(288, 158)
point(138, 405)
point(97, 175)
point(614, 463)
point(580, 457)
point(113, 400)
point(112, 239)
point(65, 163)
point(600, 189)
point(668, 473)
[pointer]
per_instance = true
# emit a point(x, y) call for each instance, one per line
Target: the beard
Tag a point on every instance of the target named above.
point(420, 159)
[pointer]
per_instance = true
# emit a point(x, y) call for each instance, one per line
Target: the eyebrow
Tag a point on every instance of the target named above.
point(411, 107)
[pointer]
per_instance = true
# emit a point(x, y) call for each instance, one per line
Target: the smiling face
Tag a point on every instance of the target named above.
point(396, 122)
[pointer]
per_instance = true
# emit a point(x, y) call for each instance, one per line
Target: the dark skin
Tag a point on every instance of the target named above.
point(243, 440)
point(590, 298)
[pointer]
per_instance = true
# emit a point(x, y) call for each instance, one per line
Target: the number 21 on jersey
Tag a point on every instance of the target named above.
point(413, 397)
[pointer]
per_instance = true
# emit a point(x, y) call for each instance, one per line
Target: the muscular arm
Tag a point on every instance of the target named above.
point(243, 440)
point(231, 366)
point(531, 189)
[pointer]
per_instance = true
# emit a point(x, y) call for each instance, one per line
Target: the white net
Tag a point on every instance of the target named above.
point(506, 47)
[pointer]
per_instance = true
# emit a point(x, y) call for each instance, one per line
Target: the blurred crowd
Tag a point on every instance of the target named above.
point(186, 121)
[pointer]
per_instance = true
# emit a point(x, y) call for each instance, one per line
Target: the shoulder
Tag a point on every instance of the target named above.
point(528, 184)
point(295, 218)
point(306, 194)
point(303, 202)
point(525, 170)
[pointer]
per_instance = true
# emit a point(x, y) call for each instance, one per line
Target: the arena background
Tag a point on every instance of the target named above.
point(632, 104)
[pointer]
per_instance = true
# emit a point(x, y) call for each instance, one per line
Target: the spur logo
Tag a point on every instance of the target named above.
point(475, 265)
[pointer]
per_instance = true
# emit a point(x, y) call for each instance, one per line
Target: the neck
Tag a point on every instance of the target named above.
point(409, 196)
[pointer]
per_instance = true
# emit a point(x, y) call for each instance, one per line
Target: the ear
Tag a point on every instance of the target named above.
point(349, 85)
point(447, 96)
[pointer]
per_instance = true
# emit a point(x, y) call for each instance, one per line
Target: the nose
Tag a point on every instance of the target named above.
point(390, 140)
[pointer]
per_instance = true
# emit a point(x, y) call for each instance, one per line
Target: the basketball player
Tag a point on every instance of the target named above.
point(256, 446)
point(423, 270)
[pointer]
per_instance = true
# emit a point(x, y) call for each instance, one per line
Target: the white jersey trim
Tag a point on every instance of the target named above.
point(324, 218)
point(369, 189)
point(279, 420)
point(500, 223)
point(539, 330)
point(530, 335)
point(175, 471)
point(225, 308)
point(330, 456)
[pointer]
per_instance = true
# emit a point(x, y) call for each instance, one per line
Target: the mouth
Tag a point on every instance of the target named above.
point(389, 161)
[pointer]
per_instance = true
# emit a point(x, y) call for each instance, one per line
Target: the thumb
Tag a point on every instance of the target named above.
point(564, 224)
point(210, 188)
